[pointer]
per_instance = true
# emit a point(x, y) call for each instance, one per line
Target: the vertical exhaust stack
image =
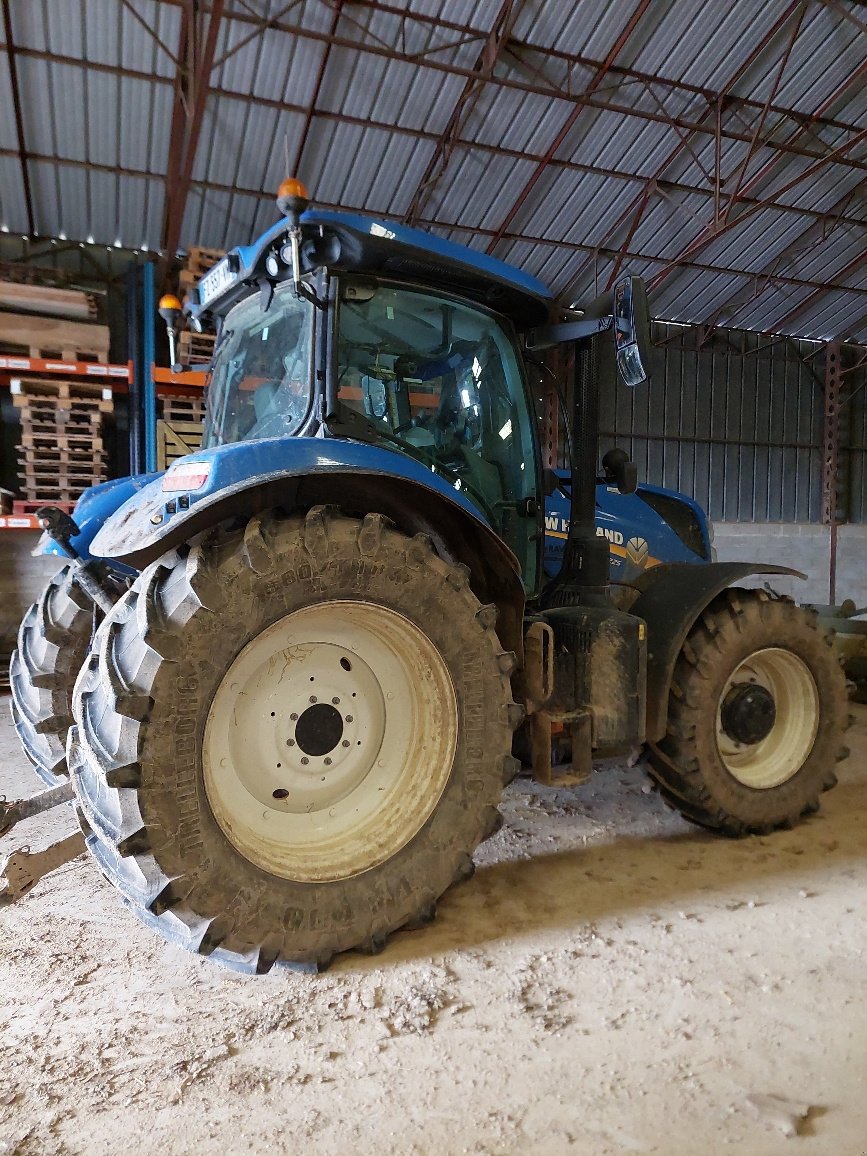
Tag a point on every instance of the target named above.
point(583, 576)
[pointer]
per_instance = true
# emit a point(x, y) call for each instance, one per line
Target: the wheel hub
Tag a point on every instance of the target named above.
point(748, 713)
point(319, 729)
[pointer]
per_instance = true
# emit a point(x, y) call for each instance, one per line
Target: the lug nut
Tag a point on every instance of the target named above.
point(293, 717)
point(328, 762)
point(335, 701)
point(305, 761)
point(346, 742)
point(290, 742)
point(313, 698)
point(349, 718)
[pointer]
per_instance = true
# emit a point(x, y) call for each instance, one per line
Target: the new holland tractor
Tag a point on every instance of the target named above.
point(301, 654)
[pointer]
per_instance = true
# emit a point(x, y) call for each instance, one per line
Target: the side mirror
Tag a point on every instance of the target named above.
point(632, 330)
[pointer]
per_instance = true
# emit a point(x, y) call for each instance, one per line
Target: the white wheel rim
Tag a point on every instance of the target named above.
point(391, 714)
point(782, 752)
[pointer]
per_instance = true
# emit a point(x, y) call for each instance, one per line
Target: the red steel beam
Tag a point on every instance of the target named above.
point(596, 80)
point(19, 121)
point(639, 204)
point(310, 111)
point(196, 92)
point(448, 138)
point(853, 265)
point(547, 90)
point(711, 232)
point(470, 33)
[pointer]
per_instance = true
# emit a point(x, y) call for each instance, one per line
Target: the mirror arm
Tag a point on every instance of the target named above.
point(551, 335)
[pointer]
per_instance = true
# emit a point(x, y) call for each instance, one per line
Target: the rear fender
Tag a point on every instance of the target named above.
point(671, 600)
point(297, 473)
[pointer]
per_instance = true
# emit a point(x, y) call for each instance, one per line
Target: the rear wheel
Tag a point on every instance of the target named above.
point(291, 737)
point(53, 640)
point(756, 713)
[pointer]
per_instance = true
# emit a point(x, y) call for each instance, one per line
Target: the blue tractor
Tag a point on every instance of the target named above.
point(316, 638)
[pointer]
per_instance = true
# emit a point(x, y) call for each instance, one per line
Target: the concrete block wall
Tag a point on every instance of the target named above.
point(803, 546)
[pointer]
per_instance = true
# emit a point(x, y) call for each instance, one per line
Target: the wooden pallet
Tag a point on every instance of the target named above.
point(200, 260)
point(79, 454)
point(195, 348)
point(183, 408)
point(64, 497)
point(69, 439)
point(76, 406)
point(54, 387)
point(62, 423)
point(48, 337)
point(175, 440)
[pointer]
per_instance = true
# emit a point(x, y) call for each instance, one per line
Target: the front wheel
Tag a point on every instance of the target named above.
point(53, 640)
point(756, 713)
point(291, 737)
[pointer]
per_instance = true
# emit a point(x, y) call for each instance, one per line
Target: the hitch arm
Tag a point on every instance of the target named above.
point(12, 813)
point(24, 868)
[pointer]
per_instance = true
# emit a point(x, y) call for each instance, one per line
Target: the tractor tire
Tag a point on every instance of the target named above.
point(53, 641)
point(756, 711)
point(290, 738)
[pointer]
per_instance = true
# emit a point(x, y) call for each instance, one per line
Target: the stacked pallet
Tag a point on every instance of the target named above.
point(61, 452)
point(179, 430)
point(50, 337)
point(47, 300)
point(196, 348)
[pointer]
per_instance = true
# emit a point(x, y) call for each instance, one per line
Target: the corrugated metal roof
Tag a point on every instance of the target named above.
point(552, 161)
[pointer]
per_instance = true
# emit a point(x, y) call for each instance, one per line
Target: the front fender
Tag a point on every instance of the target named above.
point(156, 518)
point(297, 473)
point(671, 599)
point(95, 506)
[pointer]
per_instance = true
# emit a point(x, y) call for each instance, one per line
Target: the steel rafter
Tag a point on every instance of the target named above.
point(808, 239)
point(851, 267)
point(639, 204)
point(197, 47)
point(568, 124)
point(606, 254)
point(493, 46)
point(548, 89)
point(19, 121)
point(717, 229)
point(310, 111)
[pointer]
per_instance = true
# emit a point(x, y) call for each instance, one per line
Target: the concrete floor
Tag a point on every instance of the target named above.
point(613, 980)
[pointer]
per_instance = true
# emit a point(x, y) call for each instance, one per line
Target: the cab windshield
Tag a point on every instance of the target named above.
point(260, 384)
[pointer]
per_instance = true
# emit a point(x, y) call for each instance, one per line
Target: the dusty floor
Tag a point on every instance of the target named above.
point(611, 981)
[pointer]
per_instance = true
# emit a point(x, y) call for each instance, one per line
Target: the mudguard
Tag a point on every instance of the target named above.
point(671, 599)
point(198, 490)
point(93, 508)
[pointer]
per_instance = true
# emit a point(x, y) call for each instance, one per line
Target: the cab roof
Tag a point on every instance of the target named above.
point(385, 248)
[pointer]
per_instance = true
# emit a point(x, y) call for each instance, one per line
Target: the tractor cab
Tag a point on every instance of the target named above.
point(420, 372)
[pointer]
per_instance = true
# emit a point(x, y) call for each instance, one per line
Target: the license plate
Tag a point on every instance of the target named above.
point(215, 282)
